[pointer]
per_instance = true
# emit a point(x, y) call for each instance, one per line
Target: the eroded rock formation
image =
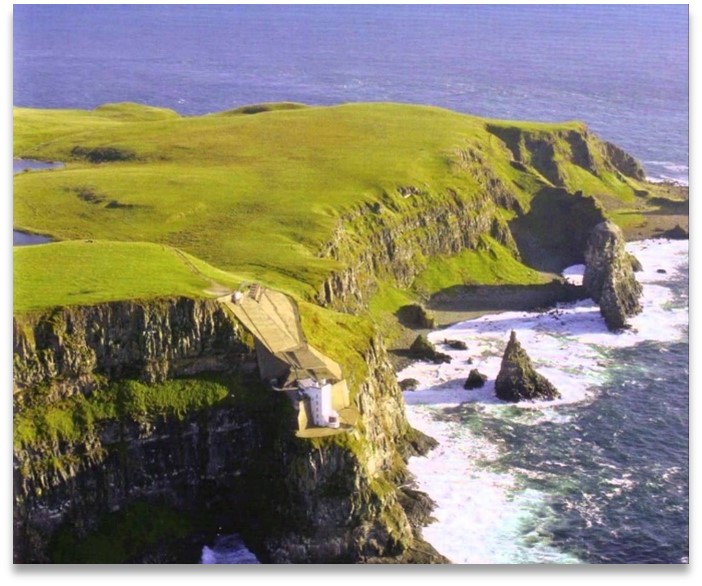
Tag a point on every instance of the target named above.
point(609, 276)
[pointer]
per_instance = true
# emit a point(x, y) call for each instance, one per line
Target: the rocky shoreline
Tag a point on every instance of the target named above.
point(465, 302)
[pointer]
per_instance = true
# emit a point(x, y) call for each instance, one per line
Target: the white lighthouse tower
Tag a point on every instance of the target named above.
point(319, 393)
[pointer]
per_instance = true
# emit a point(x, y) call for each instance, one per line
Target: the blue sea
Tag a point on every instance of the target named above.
point(600, 477)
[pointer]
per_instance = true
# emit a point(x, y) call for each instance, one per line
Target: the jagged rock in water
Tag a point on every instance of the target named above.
point(423, 349)
point(609, 276)
point(417, 443)
point(475, 380)
point(456, 344)
point(418, 506)
point(517, 379)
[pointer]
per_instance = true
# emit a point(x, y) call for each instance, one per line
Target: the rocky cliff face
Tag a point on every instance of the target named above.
point(372, 520)
point(396, 246)
point(609, 275)
point(544, 151)
point(148, 341)
point(323, 500)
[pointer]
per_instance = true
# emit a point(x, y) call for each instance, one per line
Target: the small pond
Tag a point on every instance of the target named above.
point(20, 238)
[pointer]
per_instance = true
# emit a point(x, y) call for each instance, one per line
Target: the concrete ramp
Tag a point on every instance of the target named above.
point(274, 320)
point(305, 362)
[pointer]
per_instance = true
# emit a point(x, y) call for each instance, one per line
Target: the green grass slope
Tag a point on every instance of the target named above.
point(86, 272)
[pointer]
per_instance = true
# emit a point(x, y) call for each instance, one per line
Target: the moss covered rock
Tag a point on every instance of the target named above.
point(423, 349)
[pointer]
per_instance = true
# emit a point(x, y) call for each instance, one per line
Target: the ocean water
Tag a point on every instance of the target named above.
point(621, 69)
point(227, 549)
point(599, 476)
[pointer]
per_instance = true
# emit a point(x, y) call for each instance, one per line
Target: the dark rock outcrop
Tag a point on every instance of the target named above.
point(677, 233)
point(456, 344)
point(408, 384)
point(423, 349)
point(555, 231)
point(517, 379)
point(475, 380)
point(609, 276)
point(417, 443)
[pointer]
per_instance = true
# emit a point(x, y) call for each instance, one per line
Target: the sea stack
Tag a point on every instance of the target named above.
point(517, 379)
point(609, 275)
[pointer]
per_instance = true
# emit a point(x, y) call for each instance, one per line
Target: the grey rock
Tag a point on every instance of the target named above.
point(409, 384)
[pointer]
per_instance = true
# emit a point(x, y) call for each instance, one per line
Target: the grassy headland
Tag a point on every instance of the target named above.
point(256, 193)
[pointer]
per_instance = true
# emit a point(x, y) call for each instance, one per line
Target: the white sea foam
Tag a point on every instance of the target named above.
point(483, 516)
point(667, 171)
point(574, 274)
point(227, 549)
point(677, 180)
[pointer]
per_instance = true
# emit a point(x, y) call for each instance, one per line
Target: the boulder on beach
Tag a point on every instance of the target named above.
point(423, 349)
point(517, 379)
point(609, 276)
point(456, 344)
point(475, 380)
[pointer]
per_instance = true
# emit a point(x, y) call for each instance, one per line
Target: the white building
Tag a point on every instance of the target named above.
point(320, 396)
